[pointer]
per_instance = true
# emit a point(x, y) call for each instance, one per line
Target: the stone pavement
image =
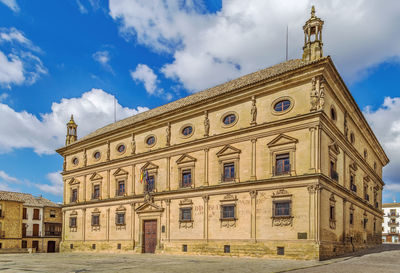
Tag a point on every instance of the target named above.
point(383, 259)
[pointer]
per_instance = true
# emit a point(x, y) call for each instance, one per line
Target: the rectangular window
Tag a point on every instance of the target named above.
point(71, 246)
point(282, 163)
point(118, 246)
point(96, 192)
point(365, 223)
point(334, 174)
point(282, 208)
point(280, 250)
point(351, 218)
point(186, 178)
point(184, 248)
point(228, 212)
point(93, 246)
point(120, 218)
point(186, 214)
point(35, 232)
point(392, 230)
point(36, 214)
point(24, 213)
point(52, 213)
point(74, 195)
point(150, 183)
point(24, 244)
point(121, 188)
point(72, 222)
point(392, 212)
point(227, 249)
point(353, 186)
point(96, 220)
point(332, 213)
point(229, 172)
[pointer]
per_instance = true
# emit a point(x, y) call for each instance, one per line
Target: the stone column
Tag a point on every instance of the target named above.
point(64, 226)
point(344, 219)
point(318, 190)
point(253, 195)
point(108, 184)
point(206, 167)
point(318, 148)
point(205, 221)
point(168, 174)
point(65, 192)
point(84, 188)
point(253, 159)
point(108, 225)
point(168, 216)
point(312, 149)
point(83, 224)
point(133, 180)
point(133, 224)
point(311, 212)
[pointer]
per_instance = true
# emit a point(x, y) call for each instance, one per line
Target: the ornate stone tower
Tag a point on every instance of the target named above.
point(71, 131)
point(312, 49)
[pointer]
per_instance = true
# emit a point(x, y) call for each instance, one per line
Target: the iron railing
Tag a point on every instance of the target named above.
point(281, 171)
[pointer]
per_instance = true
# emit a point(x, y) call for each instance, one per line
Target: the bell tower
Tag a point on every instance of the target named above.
point(71, 131)
point(312, 49)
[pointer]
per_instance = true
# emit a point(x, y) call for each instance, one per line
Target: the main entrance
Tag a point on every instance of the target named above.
point(149, 236)
point(51, 246)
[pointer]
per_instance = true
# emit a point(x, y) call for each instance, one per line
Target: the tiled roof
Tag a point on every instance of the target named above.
point(205, 94)
point(390, 205)
point(27, 199)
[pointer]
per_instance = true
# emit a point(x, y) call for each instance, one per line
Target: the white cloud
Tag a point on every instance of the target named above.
point(144, 74)
point(91, 111)
point(12, 4)
point(244, 36)
point(18, 66)
point(81, 7)
point(56, 184)
point(3, 97)
point(6, 177)
point(103, 58)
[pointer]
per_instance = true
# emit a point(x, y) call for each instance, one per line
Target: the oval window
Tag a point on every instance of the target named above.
point(75, 161)
point(229, 119)
point(187, 131)
point(121, 148)
point(150, 140)
point(97, 155)
point(282, 105)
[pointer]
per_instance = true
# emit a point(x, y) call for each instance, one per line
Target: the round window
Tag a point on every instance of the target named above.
point(187, 130)
point(97, 155)
point(121, 148)
point(229, 119)
point(282, 105)
point(150, 140)
point(75, 161)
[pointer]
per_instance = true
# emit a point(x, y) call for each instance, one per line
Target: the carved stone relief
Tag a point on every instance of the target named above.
point(282, 221)
point(133, 145)
point(206, 124)
point(253, 111)
point(168, 134)
point(317, 94)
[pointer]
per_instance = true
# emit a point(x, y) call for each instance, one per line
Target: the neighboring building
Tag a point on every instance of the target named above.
point(29, 222)
point(390, 225)
point(277, 162)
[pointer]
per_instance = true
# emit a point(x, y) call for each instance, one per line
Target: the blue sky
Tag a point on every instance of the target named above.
point(63, 57)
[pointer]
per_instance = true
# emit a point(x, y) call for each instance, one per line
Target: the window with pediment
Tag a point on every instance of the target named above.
point(334, 151)
point(74, 190)
point(148, 177)
point(186, 168)
point(282, 208)
point(95, 221)
point(282, 152)
point(121, 176)
point(228, 211)
point(228, 158)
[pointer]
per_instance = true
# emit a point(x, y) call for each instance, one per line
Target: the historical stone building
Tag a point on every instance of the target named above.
point(390, 224)
point(277, 162)
point(27, 221)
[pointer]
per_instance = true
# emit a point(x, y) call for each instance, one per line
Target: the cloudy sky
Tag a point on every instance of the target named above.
point(79, 56)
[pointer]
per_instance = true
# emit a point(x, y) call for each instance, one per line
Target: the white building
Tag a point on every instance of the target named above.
point(390, 225)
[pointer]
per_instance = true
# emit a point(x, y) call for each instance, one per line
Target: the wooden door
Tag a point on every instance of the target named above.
point(35, 230)
point(23, 230)
point(51, 246)
point(35, 244)
point(149, 236)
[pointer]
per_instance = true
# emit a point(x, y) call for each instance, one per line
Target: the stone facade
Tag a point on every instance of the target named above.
point(277, 163)
point(29, 222)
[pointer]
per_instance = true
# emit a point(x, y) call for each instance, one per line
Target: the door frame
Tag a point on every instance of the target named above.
point(48, 246)
point(143, 234)
point(142, 219)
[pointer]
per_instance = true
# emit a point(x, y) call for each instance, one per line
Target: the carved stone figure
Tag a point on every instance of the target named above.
point(317, 94)
point(168, 134)
point(253, 112)
point(133, 145)
point(346, 129)
point(206, 124)
point(282, 221)
point(65, 164)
